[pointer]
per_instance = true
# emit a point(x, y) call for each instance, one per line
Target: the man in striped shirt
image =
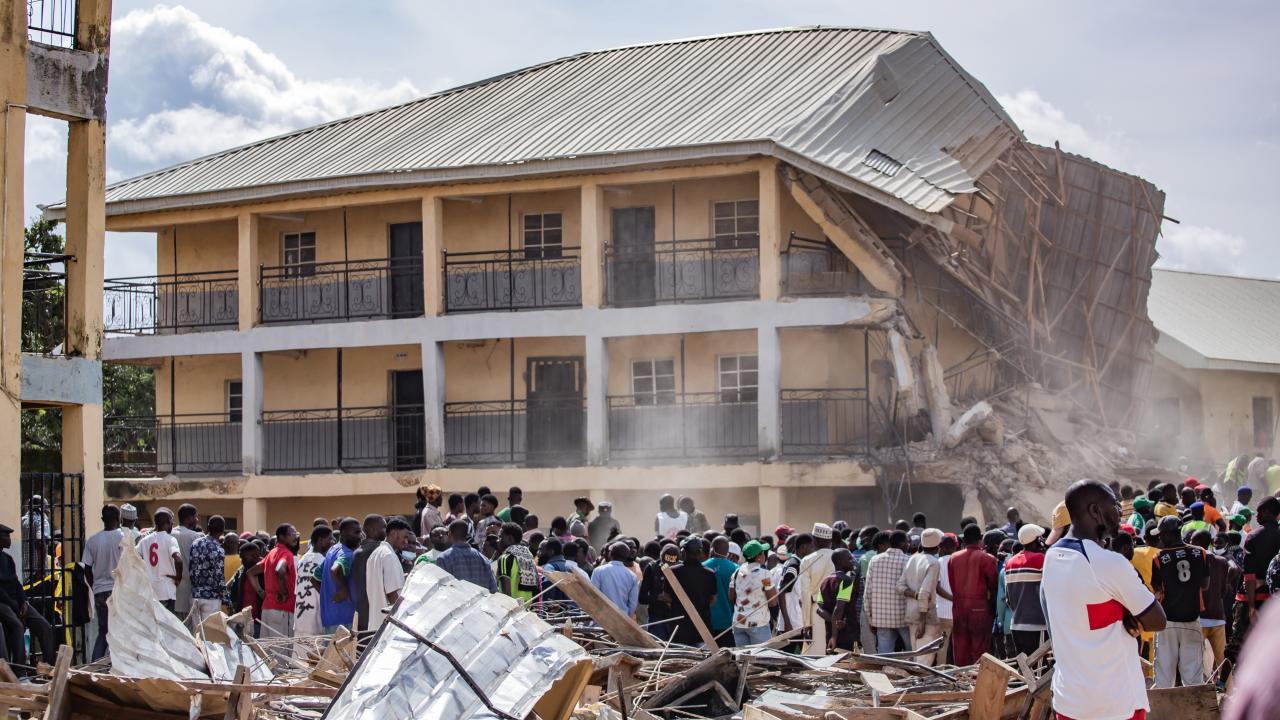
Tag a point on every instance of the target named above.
point(1022, 574)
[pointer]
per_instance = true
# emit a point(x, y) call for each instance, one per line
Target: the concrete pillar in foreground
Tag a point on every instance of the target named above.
point(247, 269)
point(433, 255)
point(251, 445)
point(771, 232)
point(769, 402)
point(433, 403)
point(253, 516)
point(592, 243)
point(597, 369)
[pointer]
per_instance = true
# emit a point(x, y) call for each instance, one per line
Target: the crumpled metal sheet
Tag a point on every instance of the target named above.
point(512, 654)
point(226, 651)
point(147, 641)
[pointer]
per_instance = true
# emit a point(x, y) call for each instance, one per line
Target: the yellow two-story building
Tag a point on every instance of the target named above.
point(686, 267)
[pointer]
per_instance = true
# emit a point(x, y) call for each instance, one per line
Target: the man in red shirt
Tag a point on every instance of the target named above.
point(279, 573)
point(973, 585)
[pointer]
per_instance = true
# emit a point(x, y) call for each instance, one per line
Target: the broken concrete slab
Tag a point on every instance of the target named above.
point(967, 425)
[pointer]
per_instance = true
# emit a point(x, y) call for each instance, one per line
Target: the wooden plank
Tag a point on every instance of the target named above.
point(1193, 702)
point(990, 688)
point(619, 626)
point(6, 672)
point(59, 707)
point(260, 688)
point(234, 700)
point(785, 638)
point(690, 611)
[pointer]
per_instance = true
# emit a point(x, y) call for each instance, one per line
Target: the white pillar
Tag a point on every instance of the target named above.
point(773, 508)
point(251, 447)
point(433, 403)
point(769, 402)
point(597, 400)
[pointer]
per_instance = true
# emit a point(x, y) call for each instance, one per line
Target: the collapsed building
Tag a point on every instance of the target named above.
point(781, 272)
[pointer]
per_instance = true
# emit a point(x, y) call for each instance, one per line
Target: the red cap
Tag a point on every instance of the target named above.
point(1192, 482)
point(782, 532)
point(1127, 528)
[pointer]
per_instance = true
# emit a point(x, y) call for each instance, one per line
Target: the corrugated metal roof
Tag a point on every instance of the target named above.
point(510, 653)
point(826, 95)
point(1220, 317)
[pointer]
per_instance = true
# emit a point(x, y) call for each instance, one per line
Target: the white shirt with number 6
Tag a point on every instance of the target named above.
point(157, 551)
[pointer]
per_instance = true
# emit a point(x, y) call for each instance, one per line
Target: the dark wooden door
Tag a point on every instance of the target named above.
point(555, 420)
point(405, 281)
point(633, 267)
point(408, 433)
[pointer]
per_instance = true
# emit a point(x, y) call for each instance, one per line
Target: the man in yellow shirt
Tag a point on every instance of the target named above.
point(1273, 477)
point(231, 546)
point(1141, 556)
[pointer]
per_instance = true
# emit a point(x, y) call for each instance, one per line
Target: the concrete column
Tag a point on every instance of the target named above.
point(247, 269)
point(772, 236)
point(592, 242)
point(597, 400)
point(251, 446)
point(773, 508)
point(82, 453)
point(86, 227)
point(253, 515)
point(433, 402)
point(769, 402)
point(13, 122)
point(433, 255)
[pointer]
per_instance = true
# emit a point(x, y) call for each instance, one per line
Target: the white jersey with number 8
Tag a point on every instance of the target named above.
point(157, 550)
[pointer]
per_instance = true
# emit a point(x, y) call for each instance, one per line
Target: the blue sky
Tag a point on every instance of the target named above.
point(1181, 93)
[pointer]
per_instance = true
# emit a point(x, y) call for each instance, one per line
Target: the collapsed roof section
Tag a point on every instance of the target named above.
point(884, 113)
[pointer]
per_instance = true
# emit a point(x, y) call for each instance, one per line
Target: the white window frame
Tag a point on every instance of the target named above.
point(233, 389)
point(653, 396)
point(298, 266)
point(541, 249)
point(733, 391)
point(738, 238)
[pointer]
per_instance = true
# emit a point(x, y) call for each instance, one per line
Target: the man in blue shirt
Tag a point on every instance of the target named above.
point(465, 562)
point(722, 609)
point(616, 582)
point(337, 602)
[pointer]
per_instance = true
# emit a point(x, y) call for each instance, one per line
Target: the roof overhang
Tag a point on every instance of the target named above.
point(1185, 356)
point(580, 164)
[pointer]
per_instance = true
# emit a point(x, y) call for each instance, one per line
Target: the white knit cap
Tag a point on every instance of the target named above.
point(822, 530)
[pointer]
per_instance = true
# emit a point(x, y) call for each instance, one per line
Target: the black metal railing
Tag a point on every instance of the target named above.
point(52, 22)
point(44, 302)
point(342, 290)
point(355, 438)
point(175, 303)
point(189, 443)
point(53, 538)
point(540, 432)
point(972, 379)
point(825, 421)
point(817, 267)
point(682, 271)
point(512, 279)
point(678, 426)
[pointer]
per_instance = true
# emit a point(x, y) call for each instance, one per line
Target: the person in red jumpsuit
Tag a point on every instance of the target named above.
point(973, 586)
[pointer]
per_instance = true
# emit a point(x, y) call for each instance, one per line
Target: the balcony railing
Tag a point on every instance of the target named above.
point(824, 422)
point(344, 290)
point(178, 303)
point(148, 445)
point(512, 279)
point(681, 426)
point(52, 22)
point(817, 267)
point(44, 302)
point(682, 271)
point(356, 438)
point(535, 432)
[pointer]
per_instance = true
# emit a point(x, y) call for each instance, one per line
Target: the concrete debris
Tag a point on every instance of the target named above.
point(963, 428)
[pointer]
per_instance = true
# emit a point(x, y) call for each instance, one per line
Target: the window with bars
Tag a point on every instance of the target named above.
point(299, 253)
point(235, 400)
point(653, 382)
point(736, 224)
point(543, 235)
point(738, 378)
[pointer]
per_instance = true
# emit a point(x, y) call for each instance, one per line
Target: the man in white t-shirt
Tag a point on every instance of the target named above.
point(669, 520)
point(1095, 605)
point(163, 558)
point(383, 574)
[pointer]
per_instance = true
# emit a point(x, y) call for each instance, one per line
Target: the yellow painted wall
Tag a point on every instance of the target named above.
point(477, 371)
point(822, 358)
point(701, 351)
point(482, 223)
point(693, 203)
point(199, 384)
point(202, 247)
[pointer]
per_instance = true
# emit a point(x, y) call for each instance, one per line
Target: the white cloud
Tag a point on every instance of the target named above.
point(1044, 123)
point(46, 139)
point(182, 88)
point(1199, 248)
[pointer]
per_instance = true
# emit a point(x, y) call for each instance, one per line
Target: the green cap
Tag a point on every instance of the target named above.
point(753, 549)
point(1141, 503)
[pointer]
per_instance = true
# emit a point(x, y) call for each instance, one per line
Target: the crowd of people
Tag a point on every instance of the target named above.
point(1161, 573)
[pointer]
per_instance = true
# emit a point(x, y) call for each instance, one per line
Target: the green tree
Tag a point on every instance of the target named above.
point(44, 293)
